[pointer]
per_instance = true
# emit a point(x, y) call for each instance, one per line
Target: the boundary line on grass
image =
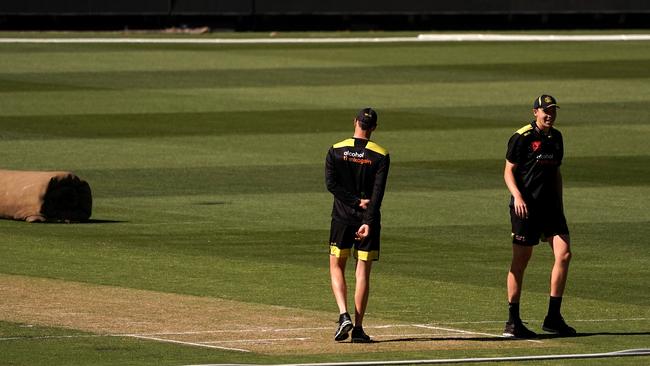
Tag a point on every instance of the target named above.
point(453, 37)
point(621, 353)
point(532, 37)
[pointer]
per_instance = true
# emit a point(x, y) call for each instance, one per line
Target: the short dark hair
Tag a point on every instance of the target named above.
point(367, 118)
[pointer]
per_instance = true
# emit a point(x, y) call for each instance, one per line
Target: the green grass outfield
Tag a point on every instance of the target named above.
point(206, 165)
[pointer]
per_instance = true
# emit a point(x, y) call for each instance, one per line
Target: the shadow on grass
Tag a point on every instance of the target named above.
point(211, 203)
point(89, 221)
point(99, 221)
point(551, 336)
point(502, 339)
point(442, 339)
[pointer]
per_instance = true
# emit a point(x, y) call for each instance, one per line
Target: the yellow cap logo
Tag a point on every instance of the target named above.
point(548, 99)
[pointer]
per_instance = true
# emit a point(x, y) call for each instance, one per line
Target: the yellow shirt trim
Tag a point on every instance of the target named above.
point(370, 146)
point(344, 143)
point(376, 148)
point(525, 129)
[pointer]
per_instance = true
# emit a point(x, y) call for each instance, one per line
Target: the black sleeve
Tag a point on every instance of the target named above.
point(514, 153)
point(333, 184)
point(372, 212)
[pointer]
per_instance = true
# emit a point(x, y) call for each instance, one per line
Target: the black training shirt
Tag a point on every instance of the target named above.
point(355, 169)
point(537, 157)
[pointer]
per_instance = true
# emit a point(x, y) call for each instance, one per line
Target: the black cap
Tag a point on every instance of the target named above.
point(544, 101)
point(367, 117)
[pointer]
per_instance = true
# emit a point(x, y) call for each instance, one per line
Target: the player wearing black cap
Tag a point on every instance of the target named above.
point(532, 174)
point(356, 170)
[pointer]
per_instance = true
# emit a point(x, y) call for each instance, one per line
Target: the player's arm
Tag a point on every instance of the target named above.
point(520, 207)
point(381, 176)
point(559, 174)
point(333, 185)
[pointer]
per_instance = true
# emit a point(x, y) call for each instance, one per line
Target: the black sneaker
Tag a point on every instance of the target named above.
point(359, 336)
point(345, 325)
point(517, 329)
point(558, 326)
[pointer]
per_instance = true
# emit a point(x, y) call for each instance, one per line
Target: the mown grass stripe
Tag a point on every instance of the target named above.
point(329, 76)
point(274, 122)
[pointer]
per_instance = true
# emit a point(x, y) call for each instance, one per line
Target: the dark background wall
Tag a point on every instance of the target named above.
point(323, 14)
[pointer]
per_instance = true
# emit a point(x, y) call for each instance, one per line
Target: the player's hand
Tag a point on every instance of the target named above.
point(363, 232)
point(521, 210)
point(363, 203)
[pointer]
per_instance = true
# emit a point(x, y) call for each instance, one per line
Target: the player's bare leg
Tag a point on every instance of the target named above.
point(514, 326)
point(521, 254)
point(339, 287)
point(361, 291)
point(554, 322)
point(562, 252)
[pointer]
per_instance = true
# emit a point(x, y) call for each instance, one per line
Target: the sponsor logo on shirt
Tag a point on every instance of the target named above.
point(354, 154)
point(546, 159)
point(535, 145)
point(356, 157)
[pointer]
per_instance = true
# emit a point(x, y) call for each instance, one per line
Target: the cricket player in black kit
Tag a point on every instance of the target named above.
point(356, 170)
point(532, 174)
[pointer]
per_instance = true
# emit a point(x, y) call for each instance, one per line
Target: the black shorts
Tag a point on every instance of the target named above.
point(343, 242)
point(541, 223)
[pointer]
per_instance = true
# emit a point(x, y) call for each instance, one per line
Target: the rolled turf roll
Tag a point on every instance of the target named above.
point(35, 196)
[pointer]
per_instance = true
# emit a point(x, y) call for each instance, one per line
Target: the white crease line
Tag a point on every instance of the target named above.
point(411, 335)
point(199, 332)
point(261, 340)
point(257, 330)
point(251, 330)
point(213, 40)
point(468, 37)
point(387, 326)
point(189, 343)
point(57, 337)
point(299, 329)
point(468, 332)
point(532, 37)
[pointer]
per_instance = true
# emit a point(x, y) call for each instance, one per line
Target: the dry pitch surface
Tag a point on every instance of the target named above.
point(215, 323)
